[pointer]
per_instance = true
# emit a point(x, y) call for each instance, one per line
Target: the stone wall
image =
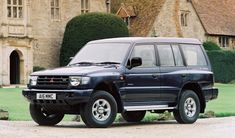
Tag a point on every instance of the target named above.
point(195, 28)
point(1, 17)
point(233, 43)
point(164, 25)
point(216, 40)
point(49, 33)
point(168, 22)
point(24, 50)
point(36, 37)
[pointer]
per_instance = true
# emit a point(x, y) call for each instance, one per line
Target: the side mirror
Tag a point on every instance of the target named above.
point(135, 62)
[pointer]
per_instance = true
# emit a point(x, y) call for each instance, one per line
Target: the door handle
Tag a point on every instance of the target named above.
point(155, 76)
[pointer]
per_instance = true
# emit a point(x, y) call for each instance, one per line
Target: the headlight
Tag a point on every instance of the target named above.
point(33, 80)
point(75, 81)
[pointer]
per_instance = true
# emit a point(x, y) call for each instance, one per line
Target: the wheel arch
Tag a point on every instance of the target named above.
point(197, 89)
point(113, 90)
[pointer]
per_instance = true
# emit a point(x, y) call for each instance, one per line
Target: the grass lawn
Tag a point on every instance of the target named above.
point(12, 100)
point(225, 104)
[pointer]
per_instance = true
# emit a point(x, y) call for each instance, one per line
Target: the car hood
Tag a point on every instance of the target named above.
point(77, 70)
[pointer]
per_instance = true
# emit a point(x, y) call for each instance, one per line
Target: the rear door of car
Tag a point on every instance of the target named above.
point(173, 71)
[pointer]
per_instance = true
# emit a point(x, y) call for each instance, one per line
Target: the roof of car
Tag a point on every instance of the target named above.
point(149, 39)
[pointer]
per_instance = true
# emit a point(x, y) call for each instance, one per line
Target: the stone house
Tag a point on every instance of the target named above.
point(212, 20)
point(31, 33)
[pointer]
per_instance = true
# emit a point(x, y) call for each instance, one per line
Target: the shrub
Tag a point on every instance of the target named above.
point(37, 68)
point(223, 63)
point(87, 27)
point(209, 45)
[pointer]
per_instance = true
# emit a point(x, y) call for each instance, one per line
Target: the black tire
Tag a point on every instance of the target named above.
point(40, 116)
point(133, 116)
point(187, 114)
point(89, 117)
point(82, 114)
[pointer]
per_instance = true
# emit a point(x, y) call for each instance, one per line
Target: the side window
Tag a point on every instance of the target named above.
point(194, 55)
point(55, 9)
point(177, 55)
point(146, 53)
point(15, 9)
point(166, 55)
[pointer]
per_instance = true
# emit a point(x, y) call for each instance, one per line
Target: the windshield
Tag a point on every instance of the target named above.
point(102, 53)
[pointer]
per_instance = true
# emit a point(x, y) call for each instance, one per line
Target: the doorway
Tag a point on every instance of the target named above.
point(14, 68)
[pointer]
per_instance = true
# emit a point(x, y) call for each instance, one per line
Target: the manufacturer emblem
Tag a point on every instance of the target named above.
point(51, 80)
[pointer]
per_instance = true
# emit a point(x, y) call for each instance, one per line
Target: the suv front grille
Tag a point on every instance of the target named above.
point(53, 82)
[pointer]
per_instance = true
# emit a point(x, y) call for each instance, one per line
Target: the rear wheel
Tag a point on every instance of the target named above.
point(100, 111)
point(188, 109)
point(42, 117)
point(133, 116)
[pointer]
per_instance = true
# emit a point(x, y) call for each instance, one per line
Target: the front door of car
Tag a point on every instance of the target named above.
point(142, 82)
point(173, 71)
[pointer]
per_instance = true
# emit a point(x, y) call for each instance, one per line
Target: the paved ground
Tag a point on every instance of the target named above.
point(207, 128)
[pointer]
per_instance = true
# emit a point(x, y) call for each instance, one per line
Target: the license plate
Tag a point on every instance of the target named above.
point(46, 96)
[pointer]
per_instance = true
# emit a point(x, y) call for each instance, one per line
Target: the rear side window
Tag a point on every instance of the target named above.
point(147, 54)
point(166, 55)
point(194, 55)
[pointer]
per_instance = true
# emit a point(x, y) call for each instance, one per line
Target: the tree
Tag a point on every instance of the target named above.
point(87, 27)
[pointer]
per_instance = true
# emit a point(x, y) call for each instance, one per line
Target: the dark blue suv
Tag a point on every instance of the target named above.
point(128, 76)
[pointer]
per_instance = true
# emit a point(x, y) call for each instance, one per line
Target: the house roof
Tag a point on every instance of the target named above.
point(217, 16)
point(126, 11)
point(146, 12)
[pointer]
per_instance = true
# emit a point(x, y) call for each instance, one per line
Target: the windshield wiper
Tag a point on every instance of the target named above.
point(108, 62)
point(82, 63)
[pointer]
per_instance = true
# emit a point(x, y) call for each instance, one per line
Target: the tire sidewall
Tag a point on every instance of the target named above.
point(189, 94)
point(39, 118)
point(109, 98)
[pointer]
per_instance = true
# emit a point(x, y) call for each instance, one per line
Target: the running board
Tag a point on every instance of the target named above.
point(148, 107)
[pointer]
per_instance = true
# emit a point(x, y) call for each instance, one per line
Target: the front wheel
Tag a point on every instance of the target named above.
point(100, 111)
point(188, 108)
point(44, 118)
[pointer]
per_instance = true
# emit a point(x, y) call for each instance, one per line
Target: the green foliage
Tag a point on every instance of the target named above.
point(209, 45)
point(37, 68)
point(87, 27)
point(223, 63)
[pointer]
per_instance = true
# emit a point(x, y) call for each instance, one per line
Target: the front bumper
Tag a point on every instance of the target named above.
point(64, 97)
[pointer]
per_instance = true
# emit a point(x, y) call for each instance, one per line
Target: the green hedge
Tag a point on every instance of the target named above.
point(87, 27)
point(37, 68)
point(223, 64)
point(209, 45)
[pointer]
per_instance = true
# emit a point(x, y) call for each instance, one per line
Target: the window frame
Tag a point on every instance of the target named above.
point(224, 41)
point(17, 6)
point(85, 9)
point(131, 52)
point(184, 18)
point(159, 60)
point(181, 53)
point(108, 5)
point(54, 8)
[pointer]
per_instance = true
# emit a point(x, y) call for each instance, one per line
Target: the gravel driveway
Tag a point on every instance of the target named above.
point(215, 127)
